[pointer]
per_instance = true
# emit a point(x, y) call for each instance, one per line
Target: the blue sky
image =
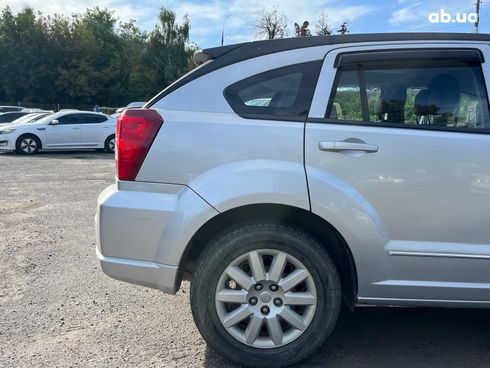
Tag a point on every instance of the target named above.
point(207, 16)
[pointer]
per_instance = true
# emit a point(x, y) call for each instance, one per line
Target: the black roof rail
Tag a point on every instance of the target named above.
point(231, 54)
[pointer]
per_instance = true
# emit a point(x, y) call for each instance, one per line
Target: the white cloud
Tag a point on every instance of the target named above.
point(124, 10)
point(207, 19)
point(207, 16)
point(414, 13)
point(407, 14)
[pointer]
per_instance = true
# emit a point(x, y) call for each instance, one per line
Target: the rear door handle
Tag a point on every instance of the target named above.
point(347, 145)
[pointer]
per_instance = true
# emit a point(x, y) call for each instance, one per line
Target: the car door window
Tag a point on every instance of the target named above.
point(94, 119)
point(346, 104)
point(71, 119)
point(435, 94)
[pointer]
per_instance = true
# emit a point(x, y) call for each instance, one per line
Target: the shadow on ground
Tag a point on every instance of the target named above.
point(378, 337)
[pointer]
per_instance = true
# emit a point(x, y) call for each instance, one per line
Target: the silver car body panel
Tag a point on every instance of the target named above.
point(231, 161)
point(416, 226)
point(414, 214)
point(144, 228)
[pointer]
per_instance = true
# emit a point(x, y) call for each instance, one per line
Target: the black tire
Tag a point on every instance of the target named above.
point(109, 146)
point(226, 248)
point(28, 144)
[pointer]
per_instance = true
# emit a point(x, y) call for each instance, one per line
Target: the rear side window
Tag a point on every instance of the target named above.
point(94, 119)
point(424, 93)
point(9, 109)
point(283, 93)
point(11, 116)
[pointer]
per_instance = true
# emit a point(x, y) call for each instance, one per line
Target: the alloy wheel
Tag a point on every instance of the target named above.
point(112, 144)
point(28, 145)
point(266, 298)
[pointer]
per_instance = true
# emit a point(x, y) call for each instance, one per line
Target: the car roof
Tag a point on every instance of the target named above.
point(231, 54)
point(258, 48)
point(14, 113)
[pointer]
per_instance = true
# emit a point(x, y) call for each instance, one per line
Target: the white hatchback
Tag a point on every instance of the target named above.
point(63, 130)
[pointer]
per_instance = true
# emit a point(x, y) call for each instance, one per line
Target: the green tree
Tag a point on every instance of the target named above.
point(166, 53)
point(26, 65)
point(90, 58)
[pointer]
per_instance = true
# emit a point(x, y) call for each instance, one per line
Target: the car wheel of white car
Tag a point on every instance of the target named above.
point(28, 144)
point(110, 144)
point(265, 295)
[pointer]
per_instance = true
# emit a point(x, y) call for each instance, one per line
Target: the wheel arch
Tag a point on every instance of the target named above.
point(109, 137)
point(32, 135)
point(315, 225)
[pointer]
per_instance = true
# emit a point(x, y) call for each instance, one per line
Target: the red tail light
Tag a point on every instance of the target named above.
point(135, 132)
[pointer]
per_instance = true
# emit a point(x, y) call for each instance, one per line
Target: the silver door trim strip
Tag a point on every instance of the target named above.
point(439, 255)
point(387, 301)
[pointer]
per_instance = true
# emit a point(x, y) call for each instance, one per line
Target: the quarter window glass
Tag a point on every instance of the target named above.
point(446, 94)
point(285, 92)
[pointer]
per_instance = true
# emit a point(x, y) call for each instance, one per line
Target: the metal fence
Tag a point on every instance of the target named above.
point(57, 107)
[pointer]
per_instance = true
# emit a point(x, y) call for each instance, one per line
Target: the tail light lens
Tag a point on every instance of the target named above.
point(136, 130)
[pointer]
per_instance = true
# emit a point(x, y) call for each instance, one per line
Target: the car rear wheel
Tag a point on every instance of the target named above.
point(110, 144)
point(265, 295)
point(28, 144)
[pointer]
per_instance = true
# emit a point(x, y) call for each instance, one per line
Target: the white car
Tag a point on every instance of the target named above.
point(131, 105)
point(29, 118)
point(62, 130)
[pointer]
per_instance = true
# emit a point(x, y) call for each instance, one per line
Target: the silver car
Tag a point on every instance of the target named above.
point(286, 177)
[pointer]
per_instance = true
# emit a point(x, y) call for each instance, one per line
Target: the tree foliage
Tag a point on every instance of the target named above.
point(89, 58)
point(322, 26)
point(271, 24)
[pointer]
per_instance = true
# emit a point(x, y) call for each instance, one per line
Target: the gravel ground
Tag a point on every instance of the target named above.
point(57, 309)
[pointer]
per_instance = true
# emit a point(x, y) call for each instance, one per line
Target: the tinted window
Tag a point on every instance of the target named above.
point(11, 116)
point(9, 109)
point(94, 119)
point(71, 119)
point(424, 93)
point(283, 92)
point(347, 101)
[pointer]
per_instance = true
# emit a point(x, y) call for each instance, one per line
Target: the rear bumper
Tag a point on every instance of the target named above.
point(143, 230)
point(143, 273)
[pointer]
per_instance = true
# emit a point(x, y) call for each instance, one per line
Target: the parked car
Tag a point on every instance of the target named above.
point(31, 116)
point(131, 105)
point(68, 129)
point(10, 108)
point(8, 117)
point(285, 177)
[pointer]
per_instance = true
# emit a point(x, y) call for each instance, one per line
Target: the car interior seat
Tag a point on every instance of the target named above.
point(390, 106)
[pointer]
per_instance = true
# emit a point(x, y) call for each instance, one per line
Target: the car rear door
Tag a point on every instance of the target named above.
point(398, 161)
point(95, 130)
point(65, 134)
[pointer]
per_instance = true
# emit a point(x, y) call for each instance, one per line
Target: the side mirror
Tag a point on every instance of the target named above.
point(55, 122)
